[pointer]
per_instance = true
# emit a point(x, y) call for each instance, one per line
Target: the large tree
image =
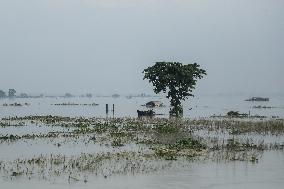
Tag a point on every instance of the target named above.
point(175, 79)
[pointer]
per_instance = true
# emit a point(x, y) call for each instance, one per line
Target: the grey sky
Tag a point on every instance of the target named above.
point(102, 46)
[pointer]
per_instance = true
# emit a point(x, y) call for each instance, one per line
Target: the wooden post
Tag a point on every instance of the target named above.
point(112, 109)
point(106, 108)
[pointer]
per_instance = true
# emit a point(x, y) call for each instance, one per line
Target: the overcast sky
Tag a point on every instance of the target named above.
point(102, 46)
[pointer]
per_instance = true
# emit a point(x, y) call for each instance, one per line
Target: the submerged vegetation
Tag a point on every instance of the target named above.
point(129, 146)
point(74, 104)
point(16, 104)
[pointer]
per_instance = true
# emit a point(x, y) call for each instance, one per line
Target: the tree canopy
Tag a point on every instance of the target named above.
point(175, 79)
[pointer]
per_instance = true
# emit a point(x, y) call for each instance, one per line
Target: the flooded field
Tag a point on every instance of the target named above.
point(87, 152)
point(153, 94)
point(203, 106)
point(266, 174)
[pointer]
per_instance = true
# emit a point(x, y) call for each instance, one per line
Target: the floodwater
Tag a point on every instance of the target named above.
point(267, 173)
point(203, 106)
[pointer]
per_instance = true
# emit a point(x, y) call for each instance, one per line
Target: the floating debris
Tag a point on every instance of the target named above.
point(16, 104)
point(236, 114)
point(74, 104)
point(263, 107)
point(257, 99)
point(149, 113)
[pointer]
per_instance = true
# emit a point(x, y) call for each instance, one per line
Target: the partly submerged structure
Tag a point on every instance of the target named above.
point(153, 104)
point(148, 113)
point(257, 99)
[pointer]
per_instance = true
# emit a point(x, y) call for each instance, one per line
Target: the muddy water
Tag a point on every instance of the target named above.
point(268, 173)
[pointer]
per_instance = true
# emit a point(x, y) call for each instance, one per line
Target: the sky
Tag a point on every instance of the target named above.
point(102, 46)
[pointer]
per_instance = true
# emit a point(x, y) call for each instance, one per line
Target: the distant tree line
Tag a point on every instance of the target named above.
point(11, 93)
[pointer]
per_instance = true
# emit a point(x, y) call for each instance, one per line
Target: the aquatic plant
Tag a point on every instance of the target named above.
point(134, 145)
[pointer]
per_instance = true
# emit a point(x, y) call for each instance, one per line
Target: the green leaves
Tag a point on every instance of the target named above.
point(175, 79)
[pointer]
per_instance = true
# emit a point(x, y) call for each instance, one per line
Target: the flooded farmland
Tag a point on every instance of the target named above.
point(82, 147)
point(201, 106)
point(141, 94)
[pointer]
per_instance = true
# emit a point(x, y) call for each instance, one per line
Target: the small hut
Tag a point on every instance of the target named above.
point(153, 104)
